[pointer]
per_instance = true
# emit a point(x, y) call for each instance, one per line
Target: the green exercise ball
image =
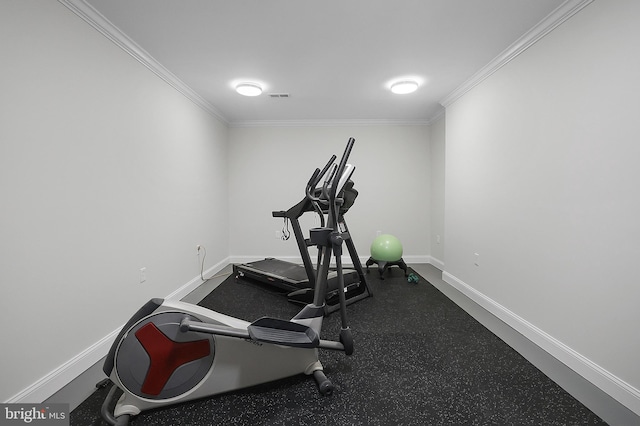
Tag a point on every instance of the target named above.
point(386, 248)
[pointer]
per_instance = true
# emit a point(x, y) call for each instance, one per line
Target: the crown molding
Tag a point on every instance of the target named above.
point(565, 11)
point(98, 21)
point(113, 33)
point(327, 123)
point(437, 116)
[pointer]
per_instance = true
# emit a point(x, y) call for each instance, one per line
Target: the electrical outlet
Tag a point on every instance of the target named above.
point(278, 235)
point(438, 239)
point(143, 275)
point(476, 259)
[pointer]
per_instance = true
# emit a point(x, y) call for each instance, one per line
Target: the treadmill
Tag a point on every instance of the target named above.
point(298, 281)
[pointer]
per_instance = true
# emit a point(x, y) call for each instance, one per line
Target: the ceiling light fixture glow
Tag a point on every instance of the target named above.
point(403, 87)
point(249, 89)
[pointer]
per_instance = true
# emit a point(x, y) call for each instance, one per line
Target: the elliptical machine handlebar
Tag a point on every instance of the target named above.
point(337, 176)
point(331, 184)
point(336, 181)
point(339, 172)
point(316, 177)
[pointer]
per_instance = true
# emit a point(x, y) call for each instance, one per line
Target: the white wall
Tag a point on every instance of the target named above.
point(271, 166)
point(542, 182)
point(104, 169)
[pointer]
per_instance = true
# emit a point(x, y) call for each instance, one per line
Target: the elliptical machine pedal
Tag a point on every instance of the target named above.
point(282, 332)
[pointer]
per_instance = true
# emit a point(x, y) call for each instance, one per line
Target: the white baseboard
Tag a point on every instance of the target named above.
point(64, 374)
point(51, 383)
point(610, 384)
point(435, 262)
point(416, 259)
point(194, 283)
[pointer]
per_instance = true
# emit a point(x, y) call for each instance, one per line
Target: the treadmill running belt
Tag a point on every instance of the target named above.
point(290, 271)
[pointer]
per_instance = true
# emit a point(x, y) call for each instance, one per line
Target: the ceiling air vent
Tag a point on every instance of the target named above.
point(278, 95)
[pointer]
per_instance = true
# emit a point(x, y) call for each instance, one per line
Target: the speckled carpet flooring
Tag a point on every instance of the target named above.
point(419, 360)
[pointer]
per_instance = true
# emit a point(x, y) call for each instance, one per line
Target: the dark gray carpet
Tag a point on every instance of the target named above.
point(419, 360)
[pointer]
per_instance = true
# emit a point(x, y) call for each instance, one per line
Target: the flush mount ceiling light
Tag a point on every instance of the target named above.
point(249, 89)
point(403, 87)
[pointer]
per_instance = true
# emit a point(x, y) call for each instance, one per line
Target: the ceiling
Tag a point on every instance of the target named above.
point(334, 58)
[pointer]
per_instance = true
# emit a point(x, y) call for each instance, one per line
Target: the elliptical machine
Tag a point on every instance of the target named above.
point(298, 281)
point(171, 351)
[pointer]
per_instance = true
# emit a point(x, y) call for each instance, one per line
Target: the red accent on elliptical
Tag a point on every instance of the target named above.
point(166, 356)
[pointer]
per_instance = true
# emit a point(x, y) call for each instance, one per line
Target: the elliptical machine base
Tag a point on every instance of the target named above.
point(156, 363)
